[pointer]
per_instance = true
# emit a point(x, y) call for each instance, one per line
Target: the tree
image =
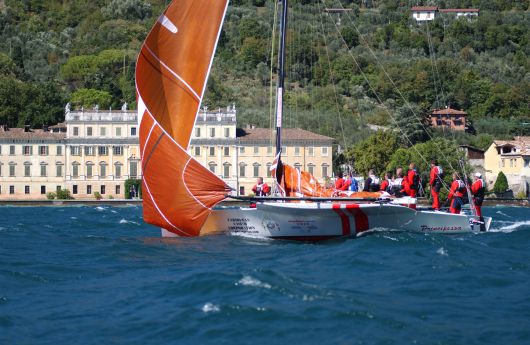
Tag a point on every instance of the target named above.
point(411, 123)
point(501, 184)
point(89, 97)
point(374, 152)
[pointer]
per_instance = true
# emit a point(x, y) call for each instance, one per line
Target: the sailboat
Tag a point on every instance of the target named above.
point(180, 194)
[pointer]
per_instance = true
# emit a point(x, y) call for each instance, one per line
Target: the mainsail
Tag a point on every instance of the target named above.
point(171, 74)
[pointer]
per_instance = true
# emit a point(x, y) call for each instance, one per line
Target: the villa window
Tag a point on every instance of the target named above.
point(297, 151)
point(197, 132)
point(133, 169)
point(27, 169)
point(226, 171)
point(43, 150)
point(197, 150)
point(76, 131)
point(133, 131)
point(26, 189)
point(43, 170)
point(102, 131)
point(89, 131)
point(12, 170)
point(43, 189)
point(74, 189)
point(89, 170)
point(227, 132)
point(324, 151)
point(117, 150)
point(89, 189)
point(103, 170)
point(59, 170)
point(59, 150)
point(103, 150)
point(117, 170)
point(269, 173)
point(27, 150)
point(12, 149)
point(212, 150)
point(118, 131)
point(256, 169)
point(242, 170)
point(311, 151)
point(212, 132)
point(227, 150)
point(75, 170)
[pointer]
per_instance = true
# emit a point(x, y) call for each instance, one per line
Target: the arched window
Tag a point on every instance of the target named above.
point(256, 169)
point(43, 169)
point(103, 169)
point(117, 169)
point(269, 174)
point(242, 169)
point(325, 167)
point(27, 169)
point(298, 166)
point(212, 166)
point(226, 170)
point(75, 169)
point(311, 168)
point(89, 169)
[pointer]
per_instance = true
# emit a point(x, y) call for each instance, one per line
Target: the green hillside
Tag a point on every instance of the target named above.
point(370, 65)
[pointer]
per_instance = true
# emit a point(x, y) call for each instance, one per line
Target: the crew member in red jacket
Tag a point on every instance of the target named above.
point(386, 183)
point(260, 188)
point(339, 182)
point(478, 189)
point(413, 179)
point(456, 194)
point(435, 181)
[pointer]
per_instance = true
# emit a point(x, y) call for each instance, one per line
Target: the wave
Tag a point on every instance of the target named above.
point(210, 308)
point(512, 227)
point(249, 281)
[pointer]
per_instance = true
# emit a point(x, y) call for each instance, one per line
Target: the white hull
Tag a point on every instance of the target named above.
point(323, 220)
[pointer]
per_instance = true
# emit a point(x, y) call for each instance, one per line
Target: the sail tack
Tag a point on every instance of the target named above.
point(171, 74)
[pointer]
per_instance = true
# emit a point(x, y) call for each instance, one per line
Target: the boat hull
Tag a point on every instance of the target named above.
point(323, 220)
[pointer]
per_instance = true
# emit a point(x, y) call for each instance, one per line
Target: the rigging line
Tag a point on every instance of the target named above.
point(407, 103)
point(384, 106)
point(271, 88)
point(335, 92)
point(434, 76)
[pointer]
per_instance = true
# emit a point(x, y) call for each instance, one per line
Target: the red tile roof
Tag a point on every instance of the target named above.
point(32, 134)
point(287, 134)
point(448, 111)
point(424, 8)
point(460, 10)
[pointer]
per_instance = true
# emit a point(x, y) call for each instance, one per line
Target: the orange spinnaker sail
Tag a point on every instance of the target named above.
point(301, 183)
point(171, 74)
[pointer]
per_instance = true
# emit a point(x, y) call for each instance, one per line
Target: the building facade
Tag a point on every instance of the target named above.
point(462, 12)
point(424, 13)
point(102, 152)
point(240, 156)
point(32, 163)
point(512, 157)
point(449, 119)
point(97, 151)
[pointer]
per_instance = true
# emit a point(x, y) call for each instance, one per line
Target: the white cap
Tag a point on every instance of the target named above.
point(479, 175)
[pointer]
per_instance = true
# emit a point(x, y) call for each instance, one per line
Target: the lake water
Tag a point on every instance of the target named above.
point(99, 275)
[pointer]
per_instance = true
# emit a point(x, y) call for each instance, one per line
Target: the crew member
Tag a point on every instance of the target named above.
point(456, 194)
point(371, 184)
point(385, 185)
point(413, 179)
point(260, 188)
point(478, 189)
point(435, 181)
point(398, 184)
point(339, 182)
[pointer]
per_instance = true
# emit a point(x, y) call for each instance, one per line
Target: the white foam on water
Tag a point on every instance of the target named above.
point(511, 227)
point(74, 218)
point(100, 208)
point(442, 251)
point(503, 214)
point(249, 281)
point(210, 308)
point(113, 211)
point(123, 221)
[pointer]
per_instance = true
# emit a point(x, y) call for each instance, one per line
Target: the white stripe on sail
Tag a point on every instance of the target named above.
point(167, 24)
point(173, 73)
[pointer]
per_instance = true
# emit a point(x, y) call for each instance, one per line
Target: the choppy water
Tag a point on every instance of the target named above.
point(98, 275)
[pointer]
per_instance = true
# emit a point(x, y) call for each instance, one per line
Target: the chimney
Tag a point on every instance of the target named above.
point(45, 128)
point(26, 128)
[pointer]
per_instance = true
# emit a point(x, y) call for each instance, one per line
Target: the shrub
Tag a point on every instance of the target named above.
point(51, 195)
point(131, 184)
point(64, 194)
point(501, 184)
point(98, 196)
point(521, 195)
point(110, 197)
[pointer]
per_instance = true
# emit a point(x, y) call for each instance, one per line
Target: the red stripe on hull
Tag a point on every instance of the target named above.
point(346, 230)
point(360, 218)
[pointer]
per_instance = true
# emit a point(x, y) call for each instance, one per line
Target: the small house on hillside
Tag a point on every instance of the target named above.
point(462, 12)
point(449, 118)
point(424, 13)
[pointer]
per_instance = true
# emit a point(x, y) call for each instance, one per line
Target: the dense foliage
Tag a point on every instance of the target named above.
point(373, 64)
point(501, 184)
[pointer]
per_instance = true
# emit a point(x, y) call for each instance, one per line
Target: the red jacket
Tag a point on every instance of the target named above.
point(411, 176)
point(405, 187)
point(458, 189)
point(345, 185)
point(338, 183)
point(478, 188)
point(384, 185)
point(435, 171)
point(263, 190)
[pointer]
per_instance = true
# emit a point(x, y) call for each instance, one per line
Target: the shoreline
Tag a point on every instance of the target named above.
point(138, 202)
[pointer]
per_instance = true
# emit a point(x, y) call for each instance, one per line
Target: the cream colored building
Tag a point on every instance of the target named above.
point(32, 163)
point(102, 151)
point(512, 157)
point(97, 151)
point(240, 156)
